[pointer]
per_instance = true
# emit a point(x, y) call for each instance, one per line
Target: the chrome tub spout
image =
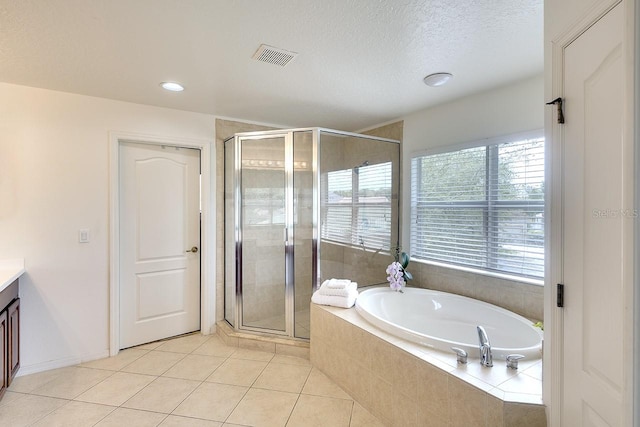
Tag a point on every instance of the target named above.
point(486, 359)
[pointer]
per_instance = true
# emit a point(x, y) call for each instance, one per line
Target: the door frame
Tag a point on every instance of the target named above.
point(553, 316)
point(207, 228)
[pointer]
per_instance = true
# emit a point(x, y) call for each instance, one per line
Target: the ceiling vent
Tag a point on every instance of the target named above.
point(273, 55)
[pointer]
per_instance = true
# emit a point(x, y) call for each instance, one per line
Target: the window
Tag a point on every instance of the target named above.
point(481, 207)
point(356, 206)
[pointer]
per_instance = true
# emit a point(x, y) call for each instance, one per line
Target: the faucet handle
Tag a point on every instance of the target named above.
point(462, 355)
point(512, 360)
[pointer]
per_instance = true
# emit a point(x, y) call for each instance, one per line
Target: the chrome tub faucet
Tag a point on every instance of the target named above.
point(486, 359)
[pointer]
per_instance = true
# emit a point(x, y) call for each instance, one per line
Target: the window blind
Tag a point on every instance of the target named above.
point(356, 206)
point(481, 207)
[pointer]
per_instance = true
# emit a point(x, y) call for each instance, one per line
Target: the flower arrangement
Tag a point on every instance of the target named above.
point(398, 276)
point(539, 325)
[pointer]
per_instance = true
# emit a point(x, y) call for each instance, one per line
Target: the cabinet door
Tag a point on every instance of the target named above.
point(3, 354)
point(13, 341)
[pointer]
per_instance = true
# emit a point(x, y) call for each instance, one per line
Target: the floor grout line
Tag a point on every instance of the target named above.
point(236, 405)
point(106, 415)
point(292, 409)
point(353, 407)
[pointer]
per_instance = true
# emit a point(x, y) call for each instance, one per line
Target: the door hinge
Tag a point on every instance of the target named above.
point(560, 295)
point(558, 103)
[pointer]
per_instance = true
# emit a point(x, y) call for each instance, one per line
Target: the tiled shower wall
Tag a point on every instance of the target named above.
point(367, 267)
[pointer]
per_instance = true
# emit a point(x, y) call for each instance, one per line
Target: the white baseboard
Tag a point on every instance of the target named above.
point(59, 363)
point(46, 366)
point(94, 356)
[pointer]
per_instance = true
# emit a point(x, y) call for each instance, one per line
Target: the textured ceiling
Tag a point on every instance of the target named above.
point(360, 62)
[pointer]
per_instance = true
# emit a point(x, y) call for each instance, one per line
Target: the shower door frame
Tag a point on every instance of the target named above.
point(289, 228)
point(288, 231)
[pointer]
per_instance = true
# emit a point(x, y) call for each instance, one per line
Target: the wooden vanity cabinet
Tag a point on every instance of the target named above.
point(4, 380)
point(13, 340)
point(9, 335)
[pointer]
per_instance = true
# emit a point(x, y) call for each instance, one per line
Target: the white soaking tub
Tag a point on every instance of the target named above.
point(441, 320)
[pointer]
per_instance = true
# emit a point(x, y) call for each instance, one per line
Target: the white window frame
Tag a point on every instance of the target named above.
point(492, 207)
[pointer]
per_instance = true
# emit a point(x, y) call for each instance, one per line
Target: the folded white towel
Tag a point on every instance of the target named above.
point(341, 292)
point(337, 283)
point(344, 302)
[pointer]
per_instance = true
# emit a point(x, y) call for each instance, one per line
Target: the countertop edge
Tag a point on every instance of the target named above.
point(10, 270)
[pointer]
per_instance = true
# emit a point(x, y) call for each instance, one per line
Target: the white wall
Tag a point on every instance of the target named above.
point(559, 15)
point(54, 179)
point(510, 109)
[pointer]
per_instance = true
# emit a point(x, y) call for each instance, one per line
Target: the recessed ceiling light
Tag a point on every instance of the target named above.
point(437, 79)
point(172, 86)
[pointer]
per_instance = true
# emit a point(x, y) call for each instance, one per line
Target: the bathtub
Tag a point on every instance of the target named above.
point(441, 320)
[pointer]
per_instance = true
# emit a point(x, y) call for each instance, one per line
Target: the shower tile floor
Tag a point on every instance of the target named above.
point(194, 381)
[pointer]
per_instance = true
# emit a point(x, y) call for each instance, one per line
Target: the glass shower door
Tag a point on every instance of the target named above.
point(263, 183)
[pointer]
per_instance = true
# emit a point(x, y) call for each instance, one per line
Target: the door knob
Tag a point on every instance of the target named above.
point(193, 249)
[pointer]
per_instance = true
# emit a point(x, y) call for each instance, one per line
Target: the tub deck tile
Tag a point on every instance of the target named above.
point(431, 387)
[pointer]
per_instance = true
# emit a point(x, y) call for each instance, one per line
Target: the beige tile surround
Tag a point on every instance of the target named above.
point(405, 384)
point(189, 381)
point(522, 298)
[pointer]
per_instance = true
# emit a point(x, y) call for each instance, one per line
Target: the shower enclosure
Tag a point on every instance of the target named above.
point(302, 206)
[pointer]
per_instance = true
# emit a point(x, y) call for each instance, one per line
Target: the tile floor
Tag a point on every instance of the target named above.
point(190, 381)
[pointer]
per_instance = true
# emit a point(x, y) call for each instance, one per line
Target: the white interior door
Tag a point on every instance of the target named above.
point(597, 250)
point(159, 242)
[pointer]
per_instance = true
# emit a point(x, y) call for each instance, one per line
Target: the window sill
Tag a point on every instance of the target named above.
point(535, 282)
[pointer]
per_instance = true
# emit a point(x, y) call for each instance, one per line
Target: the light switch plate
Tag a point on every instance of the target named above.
point(83, 235)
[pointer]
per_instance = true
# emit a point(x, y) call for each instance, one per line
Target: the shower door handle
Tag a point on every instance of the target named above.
point(286, 234)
